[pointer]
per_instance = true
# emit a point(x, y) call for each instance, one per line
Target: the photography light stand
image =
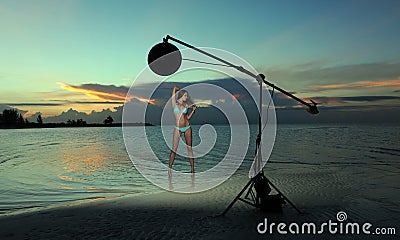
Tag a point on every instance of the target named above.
point(260, 178)
point(259, 182)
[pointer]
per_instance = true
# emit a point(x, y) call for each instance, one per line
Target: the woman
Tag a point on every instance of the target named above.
point(180, 109)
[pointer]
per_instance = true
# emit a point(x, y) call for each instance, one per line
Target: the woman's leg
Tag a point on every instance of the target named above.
point(188, 138)
point(175, 141)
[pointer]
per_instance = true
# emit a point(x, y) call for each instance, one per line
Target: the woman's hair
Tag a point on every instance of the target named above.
point(188, 100)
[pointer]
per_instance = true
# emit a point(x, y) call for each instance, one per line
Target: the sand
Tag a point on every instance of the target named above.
point(366, 195)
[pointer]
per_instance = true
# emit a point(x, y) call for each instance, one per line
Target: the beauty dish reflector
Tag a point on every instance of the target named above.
point(164, 59)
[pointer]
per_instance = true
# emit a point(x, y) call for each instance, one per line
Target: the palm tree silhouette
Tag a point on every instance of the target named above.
point(39, 119)
point(11, 118)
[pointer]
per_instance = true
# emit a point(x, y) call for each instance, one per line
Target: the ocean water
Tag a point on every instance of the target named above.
point(51, 167)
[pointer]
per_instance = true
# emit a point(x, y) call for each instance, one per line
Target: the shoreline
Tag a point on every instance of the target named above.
point(319, 192)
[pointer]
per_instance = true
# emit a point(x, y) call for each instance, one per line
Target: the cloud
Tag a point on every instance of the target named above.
point(361, 84)
point(106, 96)
point(162, 93)
point(158, 100)
point(354, 102)
point(35, 104)
point(332, 109)
point(92, 102)
point(345, 101)
point(306, 77)
point(369, 98)
point(104, 92)
point(6, 106)
point(92, 117)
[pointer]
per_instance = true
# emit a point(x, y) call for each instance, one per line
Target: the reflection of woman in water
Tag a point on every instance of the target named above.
point(180, 107)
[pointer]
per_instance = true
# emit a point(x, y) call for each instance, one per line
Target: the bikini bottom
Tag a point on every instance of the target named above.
point(183, 129)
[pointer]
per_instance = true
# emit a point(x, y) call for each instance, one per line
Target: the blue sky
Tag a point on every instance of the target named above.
point(302, 46)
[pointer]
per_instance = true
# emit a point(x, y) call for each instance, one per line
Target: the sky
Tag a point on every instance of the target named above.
point(84, 55)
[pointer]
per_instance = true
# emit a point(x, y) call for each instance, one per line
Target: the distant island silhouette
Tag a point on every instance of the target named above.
point(11, 119)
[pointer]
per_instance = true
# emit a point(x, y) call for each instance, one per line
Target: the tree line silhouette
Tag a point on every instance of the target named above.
point(78, 122)
point(11, 118)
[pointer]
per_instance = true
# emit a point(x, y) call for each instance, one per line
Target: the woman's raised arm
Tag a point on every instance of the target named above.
point(173, 100)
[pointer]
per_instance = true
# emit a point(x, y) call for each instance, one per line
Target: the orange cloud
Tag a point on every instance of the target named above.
point(28, 114)
point(333, 102)
point(361, 84)
point(105, 96)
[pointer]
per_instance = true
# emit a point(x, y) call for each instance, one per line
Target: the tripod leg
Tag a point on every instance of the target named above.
point(249, 191)
point(237, 197)
point(284, 197)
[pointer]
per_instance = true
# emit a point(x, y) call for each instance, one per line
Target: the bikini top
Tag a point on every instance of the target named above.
point(176, 109)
